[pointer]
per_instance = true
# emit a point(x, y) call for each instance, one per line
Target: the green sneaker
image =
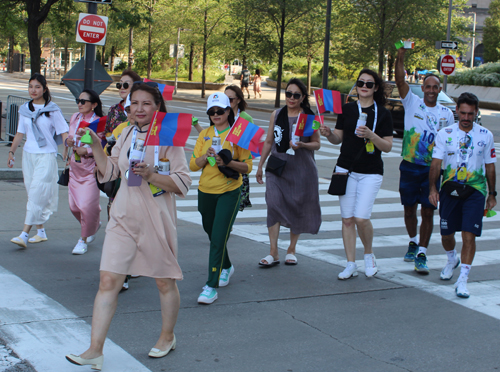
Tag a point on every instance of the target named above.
point(421, 264)
point(208, 296)
point(412, 252)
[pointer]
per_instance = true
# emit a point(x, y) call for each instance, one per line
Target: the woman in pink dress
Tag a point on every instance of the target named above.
point(141, 235)
point(82, 188)
point(257, 80)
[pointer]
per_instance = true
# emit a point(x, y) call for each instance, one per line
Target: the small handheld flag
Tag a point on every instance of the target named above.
point(307, 125)
point(247, 135)
point(165, 90)
point(169, 130)
point(97, 125)
point(328, 100)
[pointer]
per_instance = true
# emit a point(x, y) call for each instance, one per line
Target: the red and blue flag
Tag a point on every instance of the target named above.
point(97, 125)
point(246, 135)
point(165, 90)
point(306, 126)
point(328, 101)
point(169, 130)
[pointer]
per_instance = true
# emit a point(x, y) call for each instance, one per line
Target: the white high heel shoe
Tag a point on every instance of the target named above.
point(95, 363)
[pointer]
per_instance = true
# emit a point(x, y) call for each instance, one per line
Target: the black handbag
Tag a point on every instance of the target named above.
point(338, 184)
point(109, 188)
point(275, 165)
point(458, 190)
point(64, 177)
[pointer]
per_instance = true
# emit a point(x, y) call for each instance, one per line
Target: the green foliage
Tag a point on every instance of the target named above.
point(491, 33)
point(487, 75)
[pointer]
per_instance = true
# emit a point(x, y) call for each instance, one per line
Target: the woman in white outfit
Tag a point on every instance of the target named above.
point(42, 122)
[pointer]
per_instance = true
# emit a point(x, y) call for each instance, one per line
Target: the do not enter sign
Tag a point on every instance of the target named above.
point(91, 29)
point(448, 65)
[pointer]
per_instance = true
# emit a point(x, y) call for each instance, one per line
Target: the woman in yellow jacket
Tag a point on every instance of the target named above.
point(219, 190)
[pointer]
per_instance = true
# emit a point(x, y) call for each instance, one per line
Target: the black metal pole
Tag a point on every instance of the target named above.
point(327, 44)
point(90, 56)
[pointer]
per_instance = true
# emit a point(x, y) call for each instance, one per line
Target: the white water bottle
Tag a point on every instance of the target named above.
point(362, 120)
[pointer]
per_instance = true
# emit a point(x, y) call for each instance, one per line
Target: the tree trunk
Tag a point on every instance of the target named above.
point(280, 59)
point(10, 60)
point(205, 39)
point(191, 61)
point(34, 44)
point(309, 71)
point(381, 44)
point(103, 59)
point(66, 57)
point(130, 43)
point(390, 65)
point(150, 54)
point(112, 59)
point(245, 42)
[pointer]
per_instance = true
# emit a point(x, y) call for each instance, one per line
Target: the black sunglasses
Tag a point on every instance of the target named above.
point(124, 85)
point(361, 83)
point(219, 112)
point(82, 101)
point(294, 95)
point(231, 99)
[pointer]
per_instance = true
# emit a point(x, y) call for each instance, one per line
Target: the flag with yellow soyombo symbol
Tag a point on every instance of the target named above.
point(169, 129)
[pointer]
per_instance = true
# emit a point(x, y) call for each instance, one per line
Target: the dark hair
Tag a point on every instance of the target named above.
point(230, 118)
point(151, 89)
point(303, 89)
point(431, 75)
point(239, 94)
point(46, 94)
point(257, 72)
point(469, 99)
point(132, 74)
point(379, 94)
point(94, 98)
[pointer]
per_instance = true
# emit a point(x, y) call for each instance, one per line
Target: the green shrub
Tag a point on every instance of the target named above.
point(487, 75)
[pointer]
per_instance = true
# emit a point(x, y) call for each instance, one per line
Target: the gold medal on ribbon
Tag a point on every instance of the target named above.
point(370, 148)
point(462, 174)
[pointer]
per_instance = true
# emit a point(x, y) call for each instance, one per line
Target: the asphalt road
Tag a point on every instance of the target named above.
point(288, 318)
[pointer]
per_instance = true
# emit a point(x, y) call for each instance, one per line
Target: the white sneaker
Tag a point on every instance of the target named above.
point(447, 272)
point(80, 247)
point(225, 276)
point(461, 288)
point(370, 265)
point(350, 271)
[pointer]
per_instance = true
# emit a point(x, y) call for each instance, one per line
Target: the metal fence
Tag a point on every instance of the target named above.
point(13, 104)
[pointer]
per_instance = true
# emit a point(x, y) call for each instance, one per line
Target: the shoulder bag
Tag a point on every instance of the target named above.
point(338, 184)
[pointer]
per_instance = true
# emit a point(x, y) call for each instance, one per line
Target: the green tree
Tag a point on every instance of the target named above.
point(491, 33)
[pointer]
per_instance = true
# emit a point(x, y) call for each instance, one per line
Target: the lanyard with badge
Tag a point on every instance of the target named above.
point(78, 159)
point(370, 147)
point(463, 155)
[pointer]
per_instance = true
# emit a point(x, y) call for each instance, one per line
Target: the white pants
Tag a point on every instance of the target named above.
point(360, 195)
point(40, 179)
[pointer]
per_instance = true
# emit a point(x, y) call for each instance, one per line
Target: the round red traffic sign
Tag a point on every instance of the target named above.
point(448, 65)
point(92, 29)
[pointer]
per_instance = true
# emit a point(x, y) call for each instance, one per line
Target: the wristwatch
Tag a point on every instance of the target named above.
point(494, 193)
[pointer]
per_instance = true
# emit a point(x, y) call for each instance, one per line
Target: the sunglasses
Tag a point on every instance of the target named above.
point(294, 95)
point(82, 101)
point(231, 99)
point(361, 83)
point(219, 112)
point(124, 85)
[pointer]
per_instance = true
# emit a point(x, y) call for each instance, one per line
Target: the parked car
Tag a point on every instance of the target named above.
point(395, 106)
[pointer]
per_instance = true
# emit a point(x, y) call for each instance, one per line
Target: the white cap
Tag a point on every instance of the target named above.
point(218, 100)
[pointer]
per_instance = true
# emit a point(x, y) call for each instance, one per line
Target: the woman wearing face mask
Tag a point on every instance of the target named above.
point(362, 144)
point(42, 123)
point(292, 198)
point(82, 188)
point(141, 237)
point(219, 190)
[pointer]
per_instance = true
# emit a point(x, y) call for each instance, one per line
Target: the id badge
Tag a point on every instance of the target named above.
point(156, 191)
point(462, 173)
point(370, 148)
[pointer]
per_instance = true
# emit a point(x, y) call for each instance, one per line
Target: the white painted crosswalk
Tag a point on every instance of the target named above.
point(389, 233)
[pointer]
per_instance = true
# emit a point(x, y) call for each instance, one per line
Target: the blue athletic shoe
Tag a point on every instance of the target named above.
point(421, 264)
point(412, 252)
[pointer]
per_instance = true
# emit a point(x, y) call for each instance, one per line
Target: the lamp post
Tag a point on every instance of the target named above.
point(473, 41)
point(177, 55)
point(445, 79)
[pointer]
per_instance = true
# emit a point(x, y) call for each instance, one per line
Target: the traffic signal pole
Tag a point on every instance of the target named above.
point(90, 56)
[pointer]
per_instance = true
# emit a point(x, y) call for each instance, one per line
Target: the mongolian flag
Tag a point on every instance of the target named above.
point(247, 135)
point(307, 125)
point(165, 90)
point(97, 125)
point(169, 130)
point(328, 100)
